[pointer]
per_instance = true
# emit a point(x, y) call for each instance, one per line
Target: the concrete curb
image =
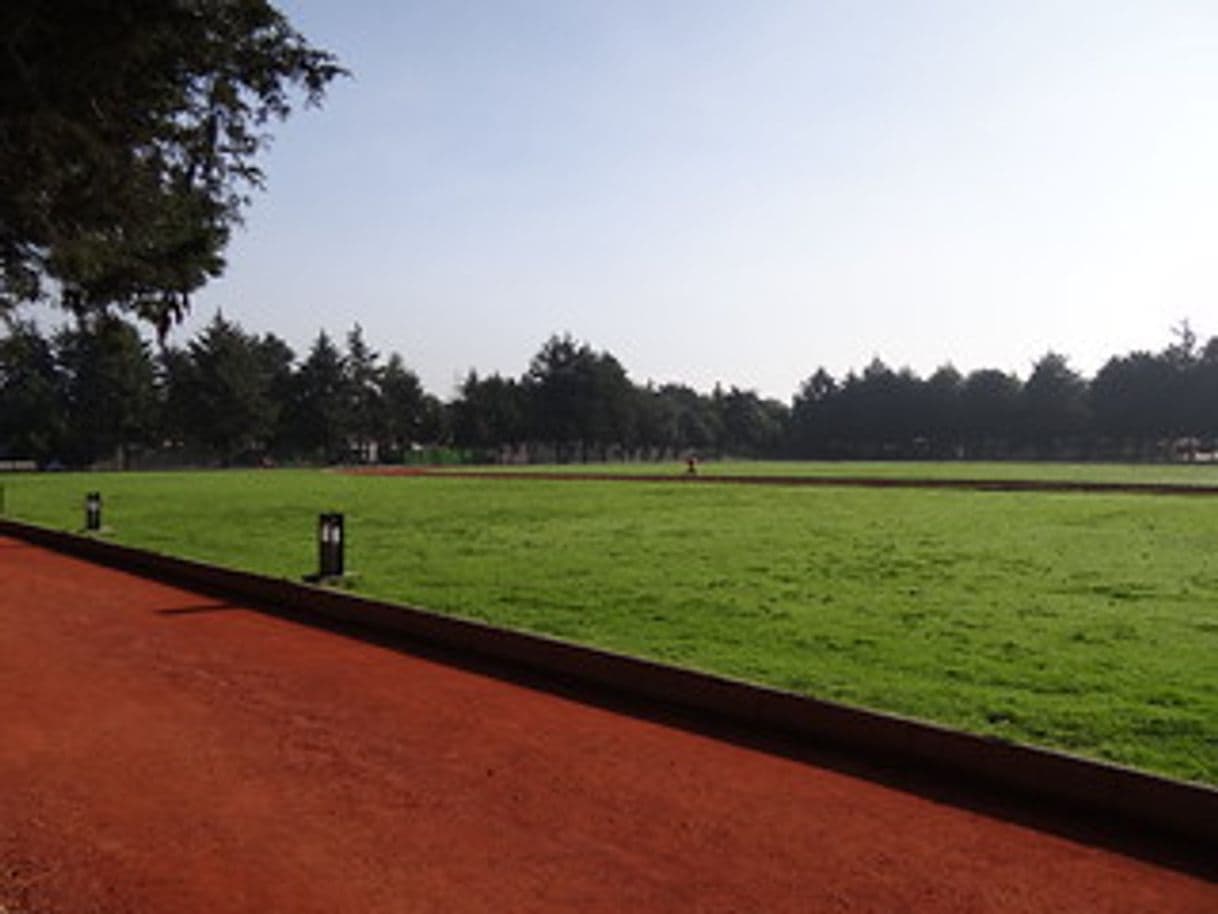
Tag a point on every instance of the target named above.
point(1143, 800)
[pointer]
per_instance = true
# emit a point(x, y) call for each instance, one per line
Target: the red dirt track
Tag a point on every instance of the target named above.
point(164, 751)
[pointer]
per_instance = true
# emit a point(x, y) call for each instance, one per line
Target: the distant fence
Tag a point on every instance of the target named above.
point(17, 466)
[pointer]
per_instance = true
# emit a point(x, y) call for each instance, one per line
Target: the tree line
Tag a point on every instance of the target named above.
point(130, 140)
point(96, 391)
point(1139, 406)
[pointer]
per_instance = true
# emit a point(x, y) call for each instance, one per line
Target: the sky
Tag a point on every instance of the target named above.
point(740, 192)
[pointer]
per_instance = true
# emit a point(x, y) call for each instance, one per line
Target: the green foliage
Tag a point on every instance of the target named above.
point(319, 421)
point(32, 412)
point(362, 401)
point(490, 412)
point(1083, 622)
point(1054, 401)
point(228, 389)
point(94, 390)
point(575, 404)
point(107, 375)
point(402, 404)
point(129, 136)
point(1139, 406)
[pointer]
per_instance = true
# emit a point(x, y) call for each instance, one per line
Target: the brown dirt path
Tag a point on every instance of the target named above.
point(161, 751)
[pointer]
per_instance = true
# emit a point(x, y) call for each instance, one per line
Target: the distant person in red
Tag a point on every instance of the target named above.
point(691, 465)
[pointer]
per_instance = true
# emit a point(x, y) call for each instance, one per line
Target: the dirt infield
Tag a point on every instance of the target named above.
point(854, 482)
point(160, 750)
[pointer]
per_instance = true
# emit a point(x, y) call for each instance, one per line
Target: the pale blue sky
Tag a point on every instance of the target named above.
point(742, 191)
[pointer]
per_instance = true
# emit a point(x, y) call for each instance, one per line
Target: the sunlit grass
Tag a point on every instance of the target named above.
point(1201, 474)
point(1083, 622)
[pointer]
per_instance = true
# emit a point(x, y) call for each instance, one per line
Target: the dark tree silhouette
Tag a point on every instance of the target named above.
point(1054, 408)
point(319, 421)
point(229, 398)
point(129, 142)
point(33, 413)
point(108, 381)
point(400, 420)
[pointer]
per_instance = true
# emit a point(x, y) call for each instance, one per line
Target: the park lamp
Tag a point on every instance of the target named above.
point(330, 542)
point(93, 507)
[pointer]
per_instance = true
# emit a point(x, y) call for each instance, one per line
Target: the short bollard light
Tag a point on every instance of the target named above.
point(93, 506)
point(330, 546)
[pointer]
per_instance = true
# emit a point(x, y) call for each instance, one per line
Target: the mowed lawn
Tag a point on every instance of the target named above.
point(1199, 474)
point(1083, 622)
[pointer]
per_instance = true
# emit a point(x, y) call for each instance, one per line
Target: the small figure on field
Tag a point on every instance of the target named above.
point(691, 465)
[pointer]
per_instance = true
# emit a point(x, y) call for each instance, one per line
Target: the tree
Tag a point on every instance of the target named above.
point(1054, 402)
point(434, 420)
point(32, 410)
point(559, 386)
point(1132, 398)
point(278, 366)
point(1183, 352)
point(695, 422)
point(176, 383)
point(989, 409)
point(941, 404)
point(108, 381)
point(881, 409)
point(1204, 399)
point(610, 414)
point(319, 415)
point(401, 407)
point(654, 421)
point(752, 427)
point(230, 404)
point(819, 387)
point(489, 413)
point(129, 138)
point(362, 394)
point(810, 427)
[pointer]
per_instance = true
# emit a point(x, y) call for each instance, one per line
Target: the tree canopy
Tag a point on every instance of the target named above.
point(94, 392)
point(129, 138)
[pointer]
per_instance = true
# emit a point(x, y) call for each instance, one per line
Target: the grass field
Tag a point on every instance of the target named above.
point(1083, 622)
point(1171, 474)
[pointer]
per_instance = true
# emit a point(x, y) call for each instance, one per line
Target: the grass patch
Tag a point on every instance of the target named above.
point(1083, 622)
point(1173, 474)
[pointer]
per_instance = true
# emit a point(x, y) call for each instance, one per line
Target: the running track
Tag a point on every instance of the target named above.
point(163, 751)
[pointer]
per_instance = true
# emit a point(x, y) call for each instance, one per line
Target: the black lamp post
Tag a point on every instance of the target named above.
point(93, 506)
point(330, 540)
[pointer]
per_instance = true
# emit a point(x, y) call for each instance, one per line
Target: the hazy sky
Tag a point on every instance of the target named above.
point(742, 191)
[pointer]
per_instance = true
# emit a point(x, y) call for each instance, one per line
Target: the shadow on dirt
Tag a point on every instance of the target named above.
point(1084, 826)
point(196, 610)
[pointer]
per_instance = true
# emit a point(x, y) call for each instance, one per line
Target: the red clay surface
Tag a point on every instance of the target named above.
point(163, 751)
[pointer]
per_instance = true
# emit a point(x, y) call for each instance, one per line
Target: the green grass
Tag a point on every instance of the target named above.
point(1174, 474)
point(1083, 622)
